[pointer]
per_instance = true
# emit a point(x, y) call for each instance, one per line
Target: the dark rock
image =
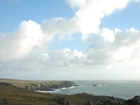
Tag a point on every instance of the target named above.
point(134, 101)
point(94, 85)
point(109, 101)
point(88, 103)
point(67, 84)
point(112, 101)
point(98, 103)
point(4, 102)
point(7, 84)
point(61, 101)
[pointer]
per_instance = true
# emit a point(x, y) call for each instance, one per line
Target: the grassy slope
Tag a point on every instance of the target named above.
point(19, 96)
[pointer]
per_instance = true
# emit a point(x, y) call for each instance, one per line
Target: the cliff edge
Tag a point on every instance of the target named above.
point(39, 85)
point(47, 86)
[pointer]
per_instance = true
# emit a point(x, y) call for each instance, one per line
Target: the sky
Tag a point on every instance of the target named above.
point(70, 39)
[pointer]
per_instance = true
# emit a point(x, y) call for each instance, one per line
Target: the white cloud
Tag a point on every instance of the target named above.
point(76, 3)
point(125, 48)
point(123, 53)
point(108, 34)
point(30, 37)
point(87, 19)
point(116, 30)
point(21, 42)
point(60, 26)
point(66, 58)
point(56, 60)
point(90, 12)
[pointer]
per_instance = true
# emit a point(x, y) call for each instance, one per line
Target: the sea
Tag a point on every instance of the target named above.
point(118, 88)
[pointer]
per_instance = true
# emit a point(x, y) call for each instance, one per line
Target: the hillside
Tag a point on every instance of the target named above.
point(38, 85)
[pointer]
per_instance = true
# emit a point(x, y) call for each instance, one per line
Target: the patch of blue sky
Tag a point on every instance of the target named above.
point(12, 14)
point(123, 19)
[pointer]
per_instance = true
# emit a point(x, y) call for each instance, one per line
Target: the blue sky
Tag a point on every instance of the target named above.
point(123, 19)
point(70, 39)
point(13, 12)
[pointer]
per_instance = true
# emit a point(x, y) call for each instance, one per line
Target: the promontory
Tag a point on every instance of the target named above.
point(38, 85)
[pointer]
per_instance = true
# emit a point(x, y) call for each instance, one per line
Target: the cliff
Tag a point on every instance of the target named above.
point(38, 85)
point(46, 86)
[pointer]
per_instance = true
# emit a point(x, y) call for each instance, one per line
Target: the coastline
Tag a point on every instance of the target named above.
point(121, 89)
point(39, 85)
point(12, 95)
point(12, 92)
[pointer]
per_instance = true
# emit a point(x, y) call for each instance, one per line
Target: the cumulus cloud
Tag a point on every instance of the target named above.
point(86, 20)
point(22, 41)
point(30, 36)
point(107, 47)
point(90, 13)
point(60, 26)
point(65, 58)
point(108, 34)
point(124, 48)
point(59, 59)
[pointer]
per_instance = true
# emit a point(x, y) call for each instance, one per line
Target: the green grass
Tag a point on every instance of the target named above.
point(18, 96)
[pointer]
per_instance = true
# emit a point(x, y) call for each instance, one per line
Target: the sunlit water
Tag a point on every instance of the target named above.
point(121, 89)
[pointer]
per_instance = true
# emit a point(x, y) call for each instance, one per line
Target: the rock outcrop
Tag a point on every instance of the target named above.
point(134, 101)
point(4, 102)
point(109, 101)
point(60, 101)
point(115, 101)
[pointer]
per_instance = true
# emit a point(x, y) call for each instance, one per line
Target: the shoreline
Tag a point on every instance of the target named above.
point(12, 95)
point(94, 87)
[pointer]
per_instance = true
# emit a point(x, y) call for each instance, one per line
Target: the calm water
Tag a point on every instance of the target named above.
point(121, 89)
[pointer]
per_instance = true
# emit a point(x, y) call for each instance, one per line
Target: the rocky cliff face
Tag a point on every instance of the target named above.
point(49, 86)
